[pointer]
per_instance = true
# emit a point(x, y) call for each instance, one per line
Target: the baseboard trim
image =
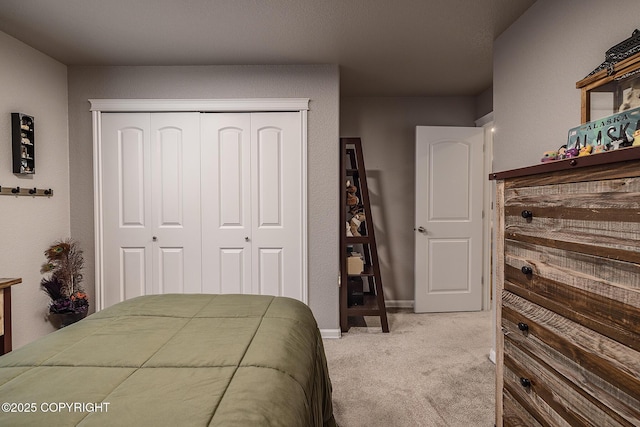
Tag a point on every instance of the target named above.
point(399, 303)
point(330, 334)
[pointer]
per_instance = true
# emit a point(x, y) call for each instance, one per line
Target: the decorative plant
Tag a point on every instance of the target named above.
point(64, 284)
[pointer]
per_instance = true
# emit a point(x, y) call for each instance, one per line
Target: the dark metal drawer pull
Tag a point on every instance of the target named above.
point(527, 214)
point(525, 382)
point(523, 327)
point(526, 270)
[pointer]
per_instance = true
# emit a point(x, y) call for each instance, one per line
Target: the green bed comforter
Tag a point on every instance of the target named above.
point(174, 360)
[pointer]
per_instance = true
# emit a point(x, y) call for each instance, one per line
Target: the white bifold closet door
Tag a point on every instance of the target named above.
point(201, 202)
point(151, 204)
point(252, 203)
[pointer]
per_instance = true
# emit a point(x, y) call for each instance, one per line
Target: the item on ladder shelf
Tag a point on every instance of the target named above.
point(354, 224)
point(355, 263)
point(361, 293)
point(355, 288)
point(352, 199)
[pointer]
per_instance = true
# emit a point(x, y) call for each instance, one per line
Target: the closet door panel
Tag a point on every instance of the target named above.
point(277, 197)
point(270, 264)
point(133, 274)
point(175, 145)
point(233, 271)
point(171, 271)
point(226, 202)
point(171, 191)
point(231, 155)
point(126, 198)
point(131, 168)
point(270, 175)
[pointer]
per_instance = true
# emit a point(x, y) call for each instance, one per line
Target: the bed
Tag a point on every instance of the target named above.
point(175, 360)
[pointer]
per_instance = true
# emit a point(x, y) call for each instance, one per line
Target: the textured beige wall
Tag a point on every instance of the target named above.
point(319, 83)
point(537, 63)
point(35, 84)
point(387, 127)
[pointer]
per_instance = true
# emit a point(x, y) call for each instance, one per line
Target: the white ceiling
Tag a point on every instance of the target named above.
point(383, 47)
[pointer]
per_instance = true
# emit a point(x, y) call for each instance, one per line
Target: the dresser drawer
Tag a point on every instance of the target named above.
point(601, 218)
point(547, 396)
point(603, 295)
point(575, 373)
point(589, 200)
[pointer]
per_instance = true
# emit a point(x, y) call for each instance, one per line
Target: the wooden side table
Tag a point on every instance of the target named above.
point(5, 313)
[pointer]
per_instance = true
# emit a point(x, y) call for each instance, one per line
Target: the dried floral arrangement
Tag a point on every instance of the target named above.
point(64, 283)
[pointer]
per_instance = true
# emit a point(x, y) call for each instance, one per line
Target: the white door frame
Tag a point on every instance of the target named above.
point(486, 122)
point(99, 106)
point(488, 271)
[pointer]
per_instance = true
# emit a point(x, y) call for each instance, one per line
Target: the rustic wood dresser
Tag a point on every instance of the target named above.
point(568, 281)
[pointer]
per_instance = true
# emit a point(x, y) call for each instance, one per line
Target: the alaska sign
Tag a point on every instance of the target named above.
point(612, 132)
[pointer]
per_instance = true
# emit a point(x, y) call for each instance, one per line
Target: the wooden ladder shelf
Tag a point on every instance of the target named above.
point(355, 301)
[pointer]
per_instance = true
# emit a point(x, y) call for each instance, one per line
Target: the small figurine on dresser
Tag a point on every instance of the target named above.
point(572, 152)
point(549, 156)
point(585, 151)
point(562, 152)
point(600, 148)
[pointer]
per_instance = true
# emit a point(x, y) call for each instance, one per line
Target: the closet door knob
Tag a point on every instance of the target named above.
point(526, 270)
point(525, 382)
point(246, 239)
point(155, 239)
point(523, 327)
point(527, 214)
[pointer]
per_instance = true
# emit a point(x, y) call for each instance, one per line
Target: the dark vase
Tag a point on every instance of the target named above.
point(60, 320)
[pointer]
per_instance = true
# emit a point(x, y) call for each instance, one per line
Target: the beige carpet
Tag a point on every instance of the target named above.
point(430, 370)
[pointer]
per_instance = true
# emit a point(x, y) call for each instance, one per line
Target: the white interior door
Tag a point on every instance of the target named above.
point(448, 241)
point(150, 197)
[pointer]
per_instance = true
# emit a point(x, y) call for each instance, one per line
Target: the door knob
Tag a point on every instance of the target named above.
point(421, 229)
point(246, 239)
point(155, 239)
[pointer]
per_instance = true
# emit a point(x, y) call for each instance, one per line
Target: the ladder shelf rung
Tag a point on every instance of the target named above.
point(358, 240)
point(368, 308)
point(368, 271)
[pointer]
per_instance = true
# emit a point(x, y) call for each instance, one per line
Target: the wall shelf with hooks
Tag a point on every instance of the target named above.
point(23, 191)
